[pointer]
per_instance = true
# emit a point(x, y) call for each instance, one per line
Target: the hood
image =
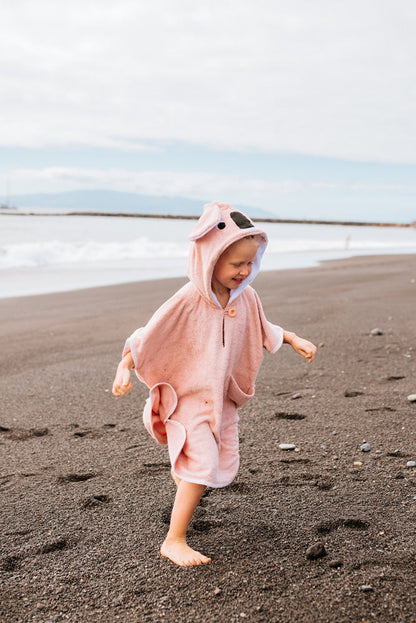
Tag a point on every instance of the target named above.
point(219, 226)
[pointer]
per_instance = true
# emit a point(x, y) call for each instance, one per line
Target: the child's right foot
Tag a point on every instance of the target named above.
point(179, 552)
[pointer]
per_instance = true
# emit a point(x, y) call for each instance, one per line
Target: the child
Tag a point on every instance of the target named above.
point(199, 354)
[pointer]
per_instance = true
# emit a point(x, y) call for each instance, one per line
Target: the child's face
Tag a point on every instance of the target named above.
point(235, 264)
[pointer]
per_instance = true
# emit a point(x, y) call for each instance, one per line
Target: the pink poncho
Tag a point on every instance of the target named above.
point(200, 360)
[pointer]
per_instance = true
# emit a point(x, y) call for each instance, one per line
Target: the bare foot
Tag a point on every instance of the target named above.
point(181, 554)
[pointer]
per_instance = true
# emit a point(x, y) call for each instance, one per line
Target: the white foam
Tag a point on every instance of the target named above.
point(58, 252)
point(55, 253)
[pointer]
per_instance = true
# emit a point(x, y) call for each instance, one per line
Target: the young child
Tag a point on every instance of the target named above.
point(199, 355)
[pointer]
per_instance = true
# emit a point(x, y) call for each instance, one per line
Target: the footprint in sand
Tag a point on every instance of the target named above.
point(94, 501)
point(283, 415)
point(53, 546)
point(154, 468)
point(397, 454)
point(325, 527)
point(203, 525)
point(10, 563)
point(76, 477)
point(87, 432)
point(239, 487)
point(22, 434)
point(299, 461)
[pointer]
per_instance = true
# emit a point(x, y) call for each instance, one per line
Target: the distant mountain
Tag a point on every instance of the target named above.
point(115, 201)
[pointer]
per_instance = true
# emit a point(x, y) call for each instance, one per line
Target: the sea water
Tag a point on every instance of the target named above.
point(40, 254)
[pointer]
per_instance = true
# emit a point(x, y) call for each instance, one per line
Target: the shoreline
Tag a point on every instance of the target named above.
point(196, 217)
point(184, 278)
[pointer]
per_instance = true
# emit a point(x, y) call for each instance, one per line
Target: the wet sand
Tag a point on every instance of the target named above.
point(86, 493)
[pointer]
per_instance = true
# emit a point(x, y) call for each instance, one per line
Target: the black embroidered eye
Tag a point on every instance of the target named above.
point(241, 220)
point(221, 225)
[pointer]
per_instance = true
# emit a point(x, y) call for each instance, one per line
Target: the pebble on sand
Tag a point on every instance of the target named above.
point(287, 446)
point(412, 398)
point(376, 331)
point(335, 564)
point(365, 447)
point(315, 551)
point(366, 588)
point(411, 464)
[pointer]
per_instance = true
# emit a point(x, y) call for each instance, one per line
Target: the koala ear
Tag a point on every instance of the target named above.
point(209, 219)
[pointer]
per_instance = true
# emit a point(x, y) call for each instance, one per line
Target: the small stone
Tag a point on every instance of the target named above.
point(365, 447)
point(217, 591)
point(357, 463)
point(287, 446)
point(335, 564)
point(40, 606)
point(335, 432)
point(324, 446)
point(412, 398)
point(376, 331)
point(366, 588)
point(296, 396)
point(321, 345)
point(316, 551)
point(411, 464)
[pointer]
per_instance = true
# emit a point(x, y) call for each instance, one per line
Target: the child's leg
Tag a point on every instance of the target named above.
point(175, 478)
point(174, 546)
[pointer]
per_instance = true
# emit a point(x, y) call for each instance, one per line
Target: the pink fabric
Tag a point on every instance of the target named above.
point(200, 361)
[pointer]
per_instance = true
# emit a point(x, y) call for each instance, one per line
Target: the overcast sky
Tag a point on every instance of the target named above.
point(258, 99)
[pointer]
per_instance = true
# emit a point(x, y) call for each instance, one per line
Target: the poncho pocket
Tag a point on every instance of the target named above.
point(236, 394)
point(160, 405)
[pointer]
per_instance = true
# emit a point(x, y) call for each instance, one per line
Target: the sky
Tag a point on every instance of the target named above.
point(305, 109)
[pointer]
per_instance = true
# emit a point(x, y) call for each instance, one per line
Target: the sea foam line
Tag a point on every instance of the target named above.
point(57, 252)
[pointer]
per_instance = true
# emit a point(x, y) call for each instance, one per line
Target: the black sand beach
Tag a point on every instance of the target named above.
point(86, 493)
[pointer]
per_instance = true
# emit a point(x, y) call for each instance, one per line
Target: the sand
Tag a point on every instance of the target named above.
point(86, 493)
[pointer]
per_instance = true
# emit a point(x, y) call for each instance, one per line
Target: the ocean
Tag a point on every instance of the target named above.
point(41, 254)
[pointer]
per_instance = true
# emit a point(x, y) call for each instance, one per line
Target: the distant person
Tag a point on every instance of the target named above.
point(199, 354)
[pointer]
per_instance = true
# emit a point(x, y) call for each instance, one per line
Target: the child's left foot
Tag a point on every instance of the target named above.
point(179, 552)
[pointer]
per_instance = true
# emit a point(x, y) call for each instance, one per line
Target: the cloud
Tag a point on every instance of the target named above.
point(324, 78)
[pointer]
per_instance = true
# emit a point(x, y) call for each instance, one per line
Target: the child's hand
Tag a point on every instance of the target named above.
point(122, 385)
point(304, 348)
point(301, 346)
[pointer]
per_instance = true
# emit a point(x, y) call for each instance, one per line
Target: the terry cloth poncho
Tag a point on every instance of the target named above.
point(200, 360)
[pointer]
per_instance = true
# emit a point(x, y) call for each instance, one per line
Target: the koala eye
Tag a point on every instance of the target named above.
point(241, 220)
point(221, 225)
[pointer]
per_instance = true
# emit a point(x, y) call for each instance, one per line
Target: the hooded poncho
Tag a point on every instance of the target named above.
point(200, 360)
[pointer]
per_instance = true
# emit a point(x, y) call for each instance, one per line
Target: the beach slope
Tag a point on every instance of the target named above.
point(86, 493)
